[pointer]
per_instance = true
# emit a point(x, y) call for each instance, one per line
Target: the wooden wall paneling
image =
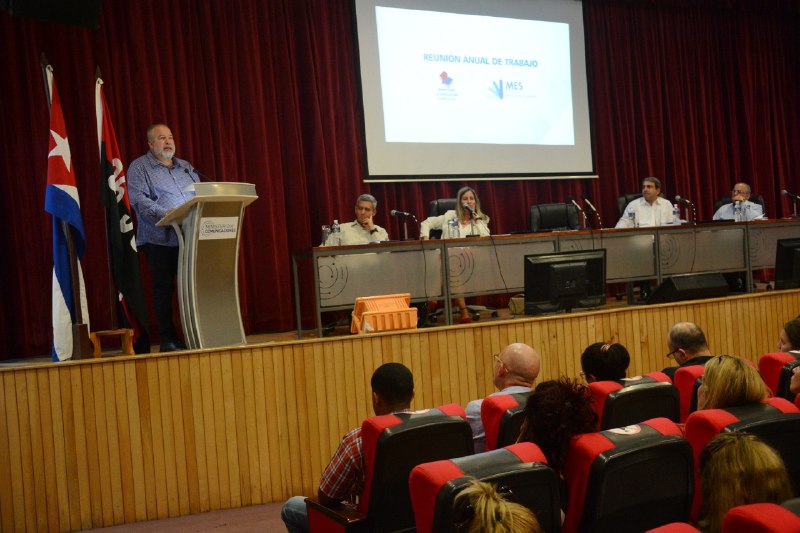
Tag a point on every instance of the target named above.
point(7, 507)
point(103, 512)
point(142, 398)
point(109, 406)
point(231, 458)
point(191, 415)
point(41, 384)
point(16, 494)
point(209, 433)
point(246, 418)
point(119, 404)
point(166, 458)
point(277, 487)
point(287, 392)
point(136, 446)
point(25, 453)
point(36, 450)
point(239, 420)
point(180, 425)
point(76, 433)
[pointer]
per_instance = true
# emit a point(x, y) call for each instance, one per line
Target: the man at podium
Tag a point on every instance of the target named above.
point(157, 182)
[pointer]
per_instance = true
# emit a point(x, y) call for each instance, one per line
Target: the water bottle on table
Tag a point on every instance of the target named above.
point(632, 219)
point(452, 229)
point(676, 214)
point(737, 211)
point(335, 238)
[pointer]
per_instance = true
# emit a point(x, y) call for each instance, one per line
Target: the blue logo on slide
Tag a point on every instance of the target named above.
point(446, 80)
point(497, 89)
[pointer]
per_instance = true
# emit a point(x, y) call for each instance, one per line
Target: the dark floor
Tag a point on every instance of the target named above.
point(265, 518)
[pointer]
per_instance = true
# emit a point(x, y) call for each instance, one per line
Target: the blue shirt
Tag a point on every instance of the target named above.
point(154, 189)
point(750, 211)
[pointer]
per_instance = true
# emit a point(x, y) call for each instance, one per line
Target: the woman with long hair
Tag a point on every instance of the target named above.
point(736, 469)
point(729, 381)
point(466, 220)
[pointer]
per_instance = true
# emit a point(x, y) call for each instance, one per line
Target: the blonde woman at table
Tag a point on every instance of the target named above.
point(466, 220)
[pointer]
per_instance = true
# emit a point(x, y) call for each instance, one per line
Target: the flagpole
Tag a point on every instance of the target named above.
point(112, 289)
point(81, 347)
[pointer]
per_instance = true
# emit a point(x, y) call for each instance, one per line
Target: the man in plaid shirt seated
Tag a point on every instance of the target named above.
point(343, 478)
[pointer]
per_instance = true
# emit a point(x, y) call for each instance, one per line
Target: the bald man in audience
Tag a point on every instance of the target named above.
point(688, 346)
point(515, 370)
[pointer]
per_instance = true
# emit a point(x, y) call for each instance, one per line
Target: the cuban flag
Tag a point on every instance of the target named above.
point(61, 201)
point(119, 226)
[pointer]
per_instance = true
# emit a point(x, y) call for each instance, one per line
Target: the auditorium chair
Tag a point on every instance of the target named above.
point(393, 445)
point(674, 527)
point(502, 417)
point(520, 470)
point(776, 369)
point(554, 217)
point(755, 198)
point(763, 518)
point(624, 199)
point(633, 400)
point(437, 208)
point(628, 479)
point(687, 384)
point(776, 421)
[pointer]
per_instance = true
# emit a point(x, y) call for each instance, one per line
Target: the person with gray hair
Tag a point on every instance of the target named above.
point(740, 195)
point(649, 210)
point(688, 346)
point(363, 229)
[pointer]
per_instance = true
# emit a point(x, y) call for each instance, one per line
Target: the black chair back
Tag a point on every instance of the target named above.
point(755, 198)
point(636, 403)
point(548, 217)
point(624, 200)
point(438, 208)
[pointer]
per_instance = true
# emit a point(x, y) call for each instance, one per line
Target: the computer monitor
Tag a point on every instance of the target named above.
point(561, 281)
point(787, 264)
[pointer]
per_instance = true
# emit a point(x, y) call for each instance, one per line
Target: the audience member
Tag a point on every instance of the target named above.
point(687, 344)
point(343, 479)
point(363, 230)
point(789, 338)
point(466, 220)
point(649, 210)
point(741, 195)
point(729, 381)
point(605, 361)
point(738, 469)
point(479, 508)
point(515, 369)
point(556, 412)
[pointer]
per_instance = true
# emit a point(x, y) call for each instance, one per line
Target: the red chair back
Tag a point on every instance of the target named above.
point(686, 382)
point(521, 469)
point(502, 418)
point(633, 400)
point(776, 421)
point(776, 369)
point(760, 518)
point(628, 479)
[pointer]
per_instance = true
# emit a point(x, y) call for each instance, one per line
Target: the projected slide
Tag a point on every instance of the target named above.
point(486, 89)
point(474, 79)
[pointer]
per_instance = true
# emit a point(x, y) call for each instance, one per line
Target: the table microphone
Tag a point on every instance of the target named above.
point(790, 194)
point(593, 208)
point(396, 213)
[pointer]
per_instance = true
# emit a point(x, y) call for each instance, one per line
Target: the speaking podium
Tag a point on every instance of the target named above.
point(208, 228)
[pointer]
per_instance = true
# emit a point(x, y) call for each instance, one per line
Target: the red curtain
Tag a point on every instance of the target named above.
point(699, 93)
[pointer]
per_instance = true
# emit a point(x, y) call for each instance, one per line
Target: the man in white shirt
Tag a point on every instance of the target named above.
point(363, 230)
point(741, 195)
point(515, 369)
point(649, 210)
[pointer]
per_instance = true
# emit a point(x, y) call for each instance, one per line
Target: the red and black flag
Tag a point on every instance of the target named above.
point(120, 230)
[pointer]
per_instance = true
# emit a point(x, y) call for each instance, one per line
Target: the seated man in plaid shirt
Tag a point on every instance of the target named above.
point(343, 478)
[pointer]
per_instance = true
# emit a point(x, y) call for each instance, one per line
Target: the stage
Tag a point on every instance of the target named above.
point(121, 439)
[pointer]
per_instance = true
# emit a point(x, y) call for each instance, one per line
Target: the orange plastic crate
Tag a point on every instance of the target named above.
point(383, 313)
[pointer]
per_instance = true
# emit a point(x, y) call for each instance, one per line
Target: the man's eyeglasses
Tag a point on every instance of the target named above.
point(671, 354)
point(737, 192)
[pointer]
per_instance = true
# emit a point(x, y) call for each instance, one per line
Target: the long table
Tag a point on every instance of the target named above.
point(445, 269)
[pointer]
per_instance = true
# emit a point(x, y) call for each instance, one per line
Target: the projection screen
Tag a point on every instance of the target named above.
point(492, 89)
